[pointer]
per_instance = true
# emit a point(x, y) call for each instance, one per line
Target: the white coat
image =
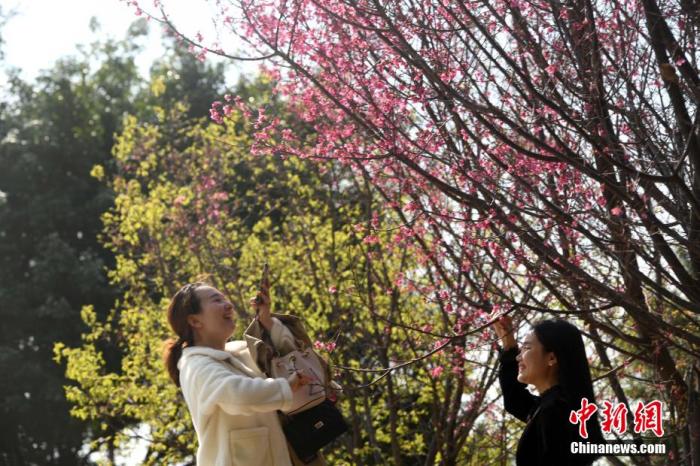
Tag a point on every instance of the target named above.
point(233, 405)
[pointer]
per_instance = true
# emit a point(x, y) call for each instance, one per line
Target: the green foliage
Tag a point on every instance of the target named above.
point(192, 199)
point(53, 132)
point(52, 264)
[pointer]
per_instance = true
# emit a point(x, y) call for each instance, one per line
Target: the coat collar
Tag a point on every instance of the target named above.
point(554, 394)
point(231, 354)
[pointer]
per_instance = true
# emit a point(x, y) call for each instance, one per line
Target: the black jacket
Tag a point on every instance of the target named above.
point(548, 434)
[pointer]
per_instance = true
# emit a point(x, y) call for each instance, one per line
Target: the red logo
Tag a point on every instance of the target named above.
point(614, 417)
point(582, 415)
point(647, 417)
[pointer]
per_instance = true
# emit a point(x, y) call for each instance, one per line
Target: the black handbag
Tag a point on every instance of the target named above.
point(310, 430)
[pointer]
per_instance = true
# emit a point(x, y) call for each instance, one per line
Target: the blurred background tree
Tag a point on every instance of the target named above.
point(52, 132)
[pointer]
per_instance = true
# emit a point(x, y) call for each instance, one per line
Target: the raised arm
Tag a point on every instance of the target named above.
point(281, 337)
point(517, 400)
point(209, 384)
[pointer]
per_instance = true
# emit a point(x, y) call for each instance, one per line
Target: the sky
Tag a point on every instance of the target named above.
point(41, 31)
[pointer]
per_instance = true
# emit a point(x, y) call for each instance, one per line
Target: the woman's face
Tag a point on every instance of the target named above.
point(215, 320)
point(535, 364)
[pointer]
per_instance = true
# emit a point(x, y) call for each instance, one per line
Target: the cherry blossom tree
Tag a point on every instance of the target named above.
point(542, 156)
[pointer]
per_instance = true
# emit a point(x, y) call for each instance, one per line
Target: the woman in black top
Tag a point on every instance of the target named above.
point(553, 359)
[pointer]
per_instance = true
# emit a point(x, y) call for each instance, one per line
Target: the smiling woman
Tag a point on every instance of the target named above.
point(213, 325)
point(232, 403)
point(553, 360)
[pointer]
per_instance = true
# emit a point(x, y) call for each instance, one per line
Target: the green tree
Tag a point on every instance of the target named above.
point(53, 132)
point(52, 264)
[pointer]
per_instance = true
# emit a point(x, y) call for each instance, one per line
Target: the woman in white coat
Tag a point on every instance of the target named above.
point(232, 403)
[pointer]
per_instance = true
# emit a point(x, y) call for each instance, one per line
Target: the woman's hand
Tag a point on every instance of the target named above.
point(504, 329)
point(261, 303)
point(298, 380)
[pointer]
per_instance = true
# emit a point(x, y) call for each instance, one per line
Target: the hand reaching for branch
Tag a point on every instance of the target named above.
point(261, 304)
point(504, 329)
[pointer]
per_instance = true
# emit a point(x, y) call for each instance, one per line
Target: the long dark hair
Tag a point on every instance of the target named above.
point(184, 303)
point(565, 341)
